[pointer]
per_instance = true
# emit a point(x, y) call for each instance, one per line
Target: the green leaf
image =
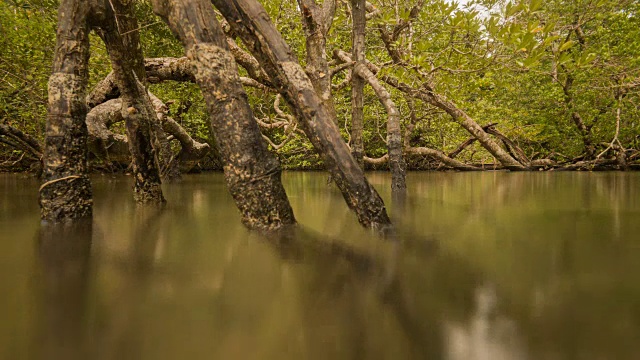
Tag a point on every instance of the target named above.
point(535, 5)
point(566, 46)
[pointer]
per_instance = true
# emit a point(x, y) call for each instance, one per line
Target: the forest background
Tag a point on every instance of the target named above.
point(554, 83)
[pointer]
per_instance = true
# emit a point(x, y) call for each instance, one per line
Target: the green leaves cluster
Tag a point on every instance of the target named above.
point(528, 65)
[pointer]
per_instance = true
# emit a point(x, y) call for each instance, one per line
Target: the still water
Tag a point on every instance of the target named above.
point(489, 266)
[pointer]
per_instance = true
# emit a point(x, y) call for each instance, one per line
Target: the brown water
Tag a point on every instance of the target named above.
point(490, 266)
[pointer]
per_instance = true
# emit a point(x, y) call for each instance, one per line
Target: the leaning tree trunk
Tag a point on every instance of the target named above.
point(128, 66)
point(358, 13)
point(66, 192)
point(249, 20)
point(251, 171)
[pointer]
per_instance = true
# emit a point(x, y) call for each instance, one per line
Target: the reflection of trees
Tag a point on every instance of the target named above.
point(16, 199)
point(558, 248)
point(513, 279)
point(121, 335)
point(65, 251)
point(408, 301)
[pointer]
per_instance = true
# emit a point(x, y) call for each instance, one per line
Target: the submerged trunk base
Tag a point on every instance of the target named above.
point(261, 199)
point(66, 198)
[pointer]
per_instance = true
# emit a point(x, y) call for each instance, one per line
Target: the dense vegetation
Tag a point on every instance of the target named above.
point(550, 81)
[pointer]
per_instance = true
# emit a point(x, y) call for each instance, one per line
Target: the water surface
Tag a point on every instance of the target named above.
point(489, 266)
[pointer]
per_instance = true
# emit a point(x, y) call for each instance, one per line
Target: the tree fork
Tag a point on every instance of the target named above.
point(251, 171)
point(397, 164)
point(66, 192)
point(250, 21)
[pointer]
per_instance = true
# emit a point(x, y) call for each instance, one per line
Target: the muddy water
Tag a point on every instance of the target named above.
point(488, 266)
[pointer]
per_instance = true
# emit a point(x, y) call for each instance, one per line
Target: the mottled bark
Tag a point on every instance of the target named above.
point(157, 71)
point(66, 192)
point(175, 69)
point(397, 164)
point(168, 168)
point(250, 20)
point(128, 68)
point(105, 90)
point(358, 13)
point(249, 63)
point(251, 171)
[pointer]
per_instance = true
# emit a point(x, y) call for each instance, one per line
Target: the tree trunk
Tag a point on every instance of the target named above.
point(316, 21)
point(66, 192)
point(251, 171)
point(127, 25)
point(397, 164)
point(250, 20)
point(128, 68)
point(358, 14)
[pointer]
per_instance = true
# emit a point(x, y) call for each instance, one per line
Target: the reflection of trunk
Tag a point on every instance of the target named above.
point(126, 60)
point(358, 13)
point(64, 251)
point(394, 132)
point(343, 279)
point(251, 171)
point(250, 21)
point(66, 193)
